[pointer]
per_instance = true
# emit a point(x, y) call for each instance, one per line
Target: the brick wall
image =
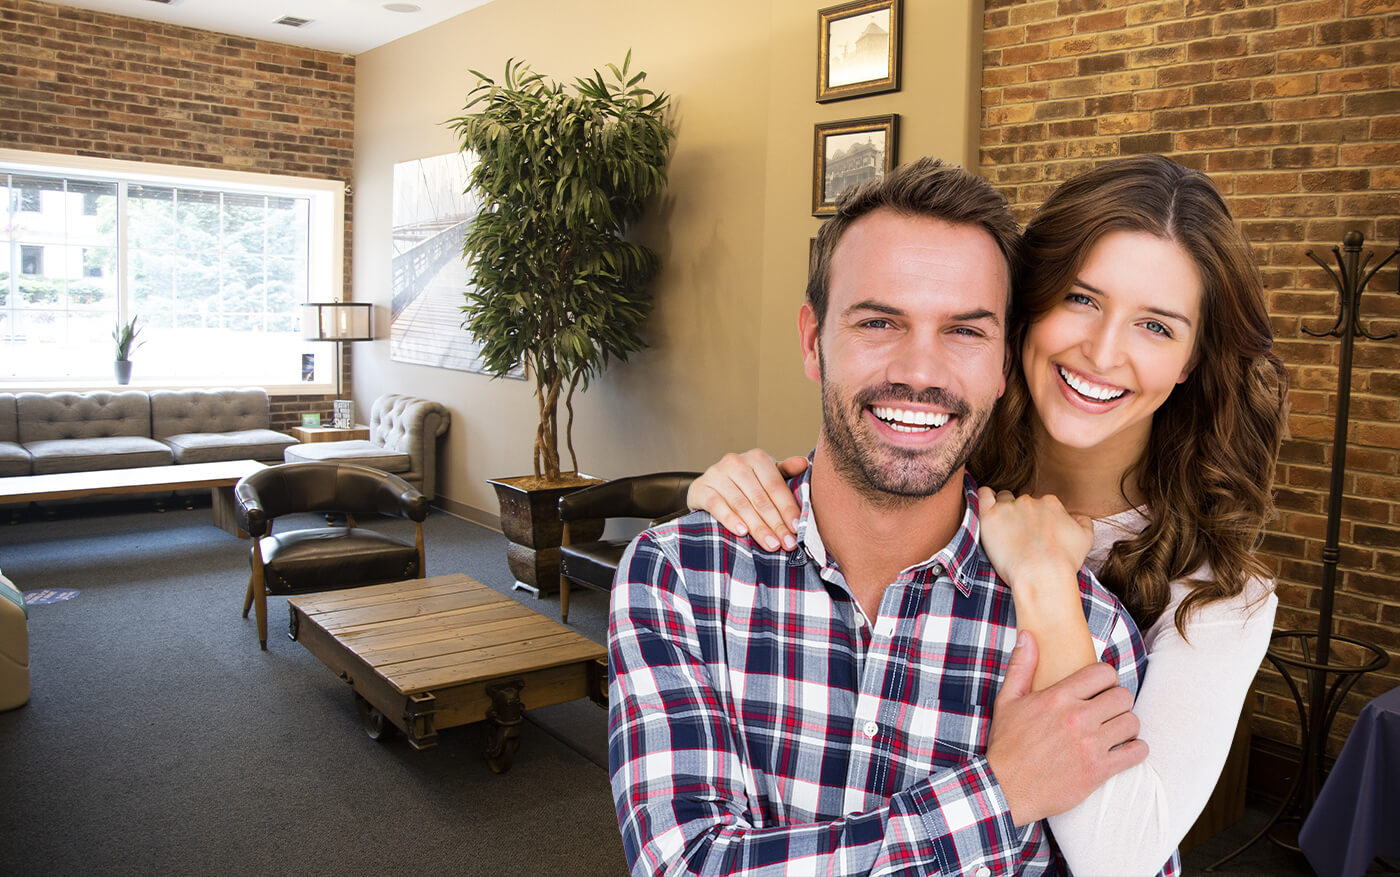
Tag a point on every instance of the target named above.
point(1293, 108)
point(88, 83)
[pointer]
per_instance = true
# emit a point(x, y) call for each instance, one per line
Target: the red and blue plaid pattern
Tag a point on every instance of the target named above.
point(760, 726)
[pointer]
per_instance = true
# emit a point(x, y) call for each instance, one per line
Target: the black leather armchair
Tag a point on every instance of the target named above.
point(325, 558)
point(656, 498)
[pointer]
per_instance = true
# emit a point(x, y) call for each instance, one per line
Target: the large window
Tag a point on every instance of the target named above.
point(214, 264)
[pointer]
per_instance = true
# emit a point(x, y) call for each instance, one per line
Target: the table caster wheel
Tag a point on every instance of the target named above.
point(373, 721)
point(502, 741)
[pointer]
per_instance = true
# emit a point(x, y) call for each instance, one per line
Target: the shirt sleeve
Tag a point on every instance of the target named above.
point(682, 786)
point(1188, 707)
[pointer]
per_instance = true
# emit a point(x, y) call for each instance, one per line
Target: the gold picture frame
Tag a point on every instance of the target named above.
point(850, 152)
point(858, 49)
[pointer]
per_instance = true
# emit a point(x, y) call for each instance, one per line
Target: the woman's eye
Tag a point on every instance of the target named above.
point(1157, 328)
point(1079, 298)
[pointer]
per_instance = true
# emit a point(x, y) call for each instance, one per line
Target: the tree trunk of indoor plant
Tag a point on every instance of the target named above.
point(530, 520)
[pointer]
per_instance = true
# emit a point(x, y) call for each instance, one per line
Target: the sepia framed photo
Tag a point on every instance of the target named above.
point(850, 152)
point(858, 49)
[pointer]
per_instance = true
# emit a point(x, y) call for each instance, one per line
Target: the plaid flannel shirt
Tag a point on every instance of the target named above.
point(758, 725)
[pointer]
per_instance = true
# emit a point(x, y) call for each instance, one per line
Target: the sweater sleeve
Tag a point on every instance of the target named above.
point(1188, 707)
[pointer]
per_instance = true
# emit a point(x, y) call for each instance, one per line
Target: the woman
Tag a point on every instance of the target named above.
point(1140, 424)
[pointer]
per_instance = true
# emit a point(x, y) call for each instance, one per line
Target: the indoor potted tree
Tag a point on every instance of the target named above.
point(561, 173)
point(125, 336)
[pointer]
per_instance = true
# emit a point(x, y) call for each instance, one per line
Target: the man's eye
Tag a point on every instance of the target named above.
point(876, 324)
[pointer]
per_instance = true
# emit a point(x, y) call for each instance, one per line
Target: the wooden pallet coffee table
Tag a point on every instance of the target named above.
point(426, 654)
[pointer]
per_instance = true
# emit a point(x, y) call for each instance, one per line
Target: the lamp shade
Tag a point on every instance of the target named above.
point(337, 321)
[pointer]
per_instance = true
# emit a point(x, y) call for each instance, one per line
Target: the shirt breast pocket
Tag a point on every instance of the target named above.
point(946, 733)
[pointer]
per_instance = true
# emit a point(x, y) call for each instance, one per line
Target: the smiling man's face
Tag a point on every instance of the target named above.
point(912, 355)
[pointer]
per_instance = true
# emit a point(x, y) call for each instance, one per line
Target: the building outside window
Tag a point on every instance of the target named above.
point(215, 265)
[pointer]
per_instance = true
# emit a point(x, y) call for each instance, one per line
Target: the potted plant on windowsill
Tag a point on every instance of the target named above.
point(125, 336)
point(562, 174)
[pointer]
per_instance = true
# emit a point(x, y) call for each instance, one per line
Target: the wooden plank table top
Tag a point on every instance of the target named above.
point(435, 652)
point(181, 476)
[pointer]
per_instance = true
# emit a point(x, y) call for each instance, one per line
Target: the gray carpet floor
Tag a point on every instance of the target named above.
point(160, 740)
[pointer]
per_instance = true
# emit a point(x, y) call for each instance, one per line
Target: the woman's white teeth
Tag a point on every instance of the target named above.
point(911, 421)
point(1093, 391)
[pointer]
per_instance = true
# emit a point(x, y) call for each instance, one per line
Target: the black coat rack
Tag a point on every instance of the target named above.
point(1310, 652)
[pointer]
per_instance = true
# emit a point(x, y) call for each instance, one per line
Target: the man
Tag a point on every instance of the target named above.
point(829, 709)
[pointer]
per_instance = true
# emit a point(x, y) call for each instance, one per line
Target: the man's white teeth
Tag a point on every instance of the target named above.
point(1093, 391)
point(911, 421)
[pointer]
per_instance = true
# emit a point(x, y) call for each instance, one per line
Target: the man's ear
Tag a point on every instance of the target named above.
point(810, 336)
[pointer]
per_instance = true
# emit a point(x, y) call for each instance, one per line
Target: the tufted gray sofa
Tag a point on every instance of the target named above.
point(42, 433)
point(403, 434)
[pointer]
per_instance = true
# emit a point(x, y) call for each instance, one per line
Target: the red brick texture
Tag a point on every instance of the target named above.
point(88, 83)
point(1292, 108)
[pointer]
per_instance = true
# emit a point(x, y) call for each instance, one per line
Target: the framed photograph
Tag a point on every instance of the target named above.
point(850, 152)
point(311, 420)
point(858, 49)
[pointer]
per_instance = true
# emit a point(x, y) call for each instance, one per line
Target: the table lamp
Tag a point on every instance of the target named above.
point(337, 321)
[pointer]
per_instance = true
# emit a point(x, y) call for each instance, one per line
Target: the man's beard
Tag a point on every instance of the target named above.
point(890, 475)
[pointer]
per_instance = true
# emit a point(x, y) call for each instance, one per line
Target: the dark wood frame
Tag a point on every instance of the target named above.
point(825, 17)
point(889, 124)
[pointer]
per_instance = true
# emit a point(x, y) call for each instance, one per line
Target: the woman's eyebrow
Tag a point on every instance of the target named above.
point(1161, 312)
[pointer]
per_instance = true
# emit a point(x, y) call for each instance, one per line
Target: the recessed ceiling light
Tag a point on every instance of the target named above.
point(402, 7)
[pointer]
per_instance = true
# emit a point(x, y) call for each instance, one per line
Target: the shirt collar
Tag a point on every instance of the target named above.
point(961, 559)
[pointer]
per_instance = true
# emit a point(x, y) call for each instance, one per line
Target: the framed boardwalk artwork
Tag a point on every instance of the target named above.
point(431, 211)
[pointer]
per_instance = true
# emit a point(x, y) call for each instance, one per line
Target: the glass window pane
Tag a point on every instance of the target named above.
point(92, 213)
point(245, 219)
point(288, 226)
point(197, 220)
point(150, 217)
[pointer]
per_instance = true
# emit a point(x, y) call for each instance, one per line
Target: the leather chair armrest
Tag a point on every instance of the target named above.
point(250, 513)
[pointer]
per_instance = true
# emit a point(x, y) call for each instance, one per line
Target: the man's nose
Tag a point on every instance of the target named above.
point(921, 362)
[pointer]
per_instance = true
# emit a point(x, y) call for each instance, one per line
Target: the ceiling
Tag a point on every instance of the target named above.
point(345, 26)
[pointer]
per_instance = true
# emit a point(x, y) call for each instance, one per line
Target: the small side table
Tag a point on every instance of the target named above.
point(329, 433)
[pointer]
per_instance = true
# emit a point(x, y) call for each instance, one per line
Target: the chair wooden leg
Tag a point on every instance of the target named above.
point(422, 559)
point(563, 600)
point(248, 596)
point(257, 593)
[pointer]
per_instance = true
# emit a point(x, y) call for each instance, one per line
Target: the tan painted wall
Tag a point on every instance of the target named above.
point(723, 371)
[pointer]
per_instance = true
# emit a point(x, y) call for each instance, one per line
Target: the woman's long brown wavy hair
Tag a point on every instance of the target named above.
point(1207, 474)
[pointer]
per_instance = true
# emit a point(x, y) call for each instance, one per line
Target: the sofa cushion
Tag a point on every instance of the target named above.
point(9, 418)
point(92, 454)
point(182, 412)
point(264, 445)
point(49, 416)
point(355, 451)
point(15, 460)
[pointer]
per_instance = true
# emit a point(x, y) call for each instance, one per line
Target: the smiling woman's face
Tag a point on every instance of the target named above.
point(1109, 353)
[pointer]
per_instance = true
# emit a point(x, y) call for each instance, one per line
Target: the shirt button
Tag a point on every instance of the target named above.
point(983, 871)
point(871, 729)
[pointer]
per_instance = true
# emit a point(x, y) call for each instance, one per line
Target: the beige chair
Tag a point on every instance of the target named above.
point(14, 646)
point(403, 436)
point(322, 558)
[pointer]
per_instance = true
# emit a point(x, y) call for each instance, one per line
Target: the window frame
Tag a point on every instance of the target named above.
point(325, 245)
